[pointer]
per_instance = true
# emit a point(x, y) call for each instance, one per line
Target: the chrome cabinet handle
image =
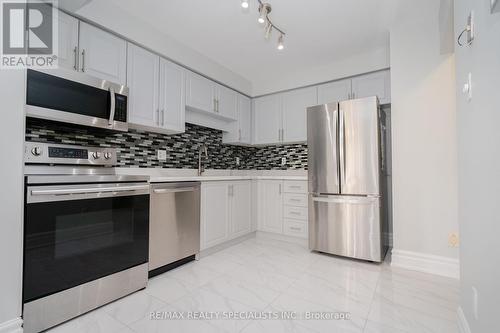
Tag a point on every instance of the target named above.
point(215, 105)
point(280, 189)
point(295, 228)
point(83, 60)
point(158, 117)
point(75, 51)
point(239, 135)
point(295, 213)
point(112, 106)
point(162, 117)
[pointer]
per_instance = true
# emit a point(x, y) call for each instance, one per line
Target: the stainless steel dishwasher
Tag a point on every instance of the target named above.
point(174, 232)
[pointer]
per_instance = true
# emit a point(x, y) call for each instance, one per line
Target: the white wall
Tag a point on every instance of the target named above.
point(354, 65)
point(424, 137)
point(12, 94)
point(479, 165)
point(104, 13)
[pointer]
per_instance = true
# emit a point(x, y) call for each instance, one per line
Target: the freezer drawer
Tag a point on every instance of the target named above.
point(346, 226)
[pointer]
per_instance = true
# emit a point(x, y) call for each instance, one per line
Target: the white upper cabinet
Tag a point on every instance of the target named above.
point(294, 107)
point(172, 96)
point(241, 208)
point(374, 84)
point(102, 54)
point(68, 41)
point(334, 91)
point(200, 93)
point(244, 119)
point(267, 119)
point(142, 79)
point(242, 127)
point(226, 102)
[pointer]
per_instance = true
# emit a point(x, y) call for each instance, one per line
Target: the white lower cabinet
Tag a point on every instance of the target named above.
point(225, 211)
point(214, 214)
point(282, 207)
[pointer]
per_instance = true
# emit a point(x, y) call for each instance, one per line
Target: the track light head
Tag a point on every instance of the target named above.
point(281, 44)
point(264, 10)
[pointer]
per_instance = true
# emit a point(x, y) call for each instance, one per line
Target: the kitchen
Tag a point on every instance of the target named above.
point(155, 183)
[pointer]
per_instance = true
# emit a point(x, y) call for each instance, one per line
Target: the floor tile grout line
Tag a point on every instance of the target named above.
point(373, 299)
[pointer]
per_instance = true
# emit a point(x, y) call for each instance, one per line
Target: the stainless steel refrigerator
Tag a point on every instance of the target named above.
point(345, 164)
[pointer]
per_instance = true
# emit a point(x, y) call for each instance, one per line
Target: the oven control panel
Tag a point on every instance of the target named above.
point(47, 153)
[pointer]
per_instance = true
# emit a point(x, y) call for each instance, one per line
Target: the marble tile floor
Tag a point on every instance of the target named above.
point(265, 276)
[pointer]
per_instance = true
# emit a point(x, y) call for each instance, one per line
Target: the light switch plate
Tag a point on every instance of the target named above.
point(162, 155)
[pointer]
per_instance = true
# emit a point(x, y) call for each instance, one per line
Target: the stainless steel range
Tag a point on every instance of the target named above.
point(86, 233)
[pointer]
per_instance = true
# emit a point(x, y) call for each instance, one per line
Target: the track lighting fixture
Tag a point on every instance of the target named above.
point(264, 10)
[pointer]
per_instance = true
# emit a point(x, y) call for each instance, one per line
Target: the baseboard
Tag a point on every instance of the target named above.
point(282, 237)
point(426, 263)
point(12, 326)
point(463, 325)
point(225, 245)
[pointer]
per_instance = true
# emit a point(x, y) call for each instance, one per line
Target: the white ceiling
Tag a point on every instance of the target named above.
point(319, 32)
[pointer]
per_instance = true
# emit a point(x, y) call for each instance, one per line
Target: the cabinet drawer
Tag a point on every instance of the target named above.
point(296, 213)
point(299, 200)
point(295, 186)
point(297, 229)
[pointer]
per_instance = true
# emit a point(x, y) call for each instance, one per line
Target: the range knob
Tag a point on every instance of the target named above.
point(36, 151)
point(107, 155)
point(96, 155)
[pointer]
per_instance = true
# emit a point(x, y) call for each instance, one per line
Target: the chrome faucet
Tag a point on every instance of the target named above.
point(203, 151)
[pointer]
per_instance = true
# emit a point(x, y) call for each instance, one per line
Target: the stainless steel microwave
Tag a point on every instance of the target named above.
point(76, 98)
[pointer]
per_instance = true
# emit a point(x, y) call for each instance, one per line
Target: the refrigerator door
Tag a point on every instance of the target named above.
point(359, 147)
point(323, 156)
point(346, 226)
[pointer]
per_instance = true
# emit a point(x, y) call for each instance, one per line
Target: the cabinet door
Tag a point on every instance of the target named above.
point(334, 92)
point(102, 54)
point(172, 96)
point(214, 214)
point(374, 84)
point(227, 102)
point(271, 206)
point(294, 108)
point(68, 41)
point(200, 93)
point(267, 119)
point(142, 79)
point(240, 131)
point(244, 119)
point(241, 205)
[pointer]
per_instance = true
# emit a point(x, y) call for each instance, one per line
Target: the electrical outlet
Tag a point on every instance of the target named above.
point(283, 161)
point(162, 155)
point(475, 302)
point(237, 161)
point(453, 239)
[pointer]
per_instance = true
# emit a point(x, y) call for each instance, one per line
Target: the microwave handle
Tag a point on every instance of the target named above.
point(112, 106)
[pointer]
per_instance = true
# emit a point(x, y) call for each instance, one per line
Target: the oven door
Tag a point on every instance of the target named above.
point(76, 98)
point(74, 234)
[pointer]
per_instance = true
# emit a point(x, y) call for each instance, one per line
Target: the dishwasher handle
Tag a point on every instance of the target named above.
point(175, 190)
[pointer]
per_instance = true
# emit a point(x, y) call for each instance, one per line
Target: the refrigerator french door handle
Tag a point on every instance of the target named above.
point(342, 149)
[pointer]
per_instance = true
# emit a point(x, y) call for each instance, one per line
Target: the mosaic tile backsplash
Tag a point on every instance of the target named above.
point(139, 149)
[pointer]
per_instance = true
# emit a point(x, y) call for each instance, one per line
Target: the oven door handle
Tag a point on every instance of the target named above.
point(90, 190)
point(112, 106)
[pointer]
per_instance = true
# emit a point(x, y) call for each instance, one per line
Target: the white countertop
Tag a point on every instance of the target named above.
point(159, 179)
point(159, 175)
